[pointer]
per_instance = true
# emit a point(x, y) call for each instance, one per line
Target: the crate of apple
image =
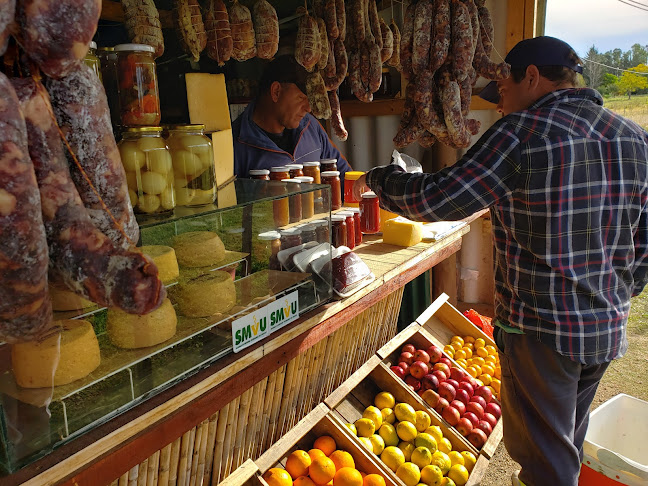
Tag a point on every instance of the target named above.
point(455, 395)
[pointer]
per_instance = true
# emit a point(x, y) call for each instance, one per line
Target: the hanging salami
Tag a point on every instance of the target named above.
point(243, 37)
point(266, 29)
point(219, 34)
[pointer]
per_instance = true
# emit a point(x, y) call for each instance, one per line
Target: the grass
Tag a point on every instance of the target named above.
point(635, 108)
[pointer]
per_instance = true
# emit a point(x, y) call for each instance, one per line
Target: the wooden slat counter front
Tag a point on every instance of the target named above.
point(202, 429)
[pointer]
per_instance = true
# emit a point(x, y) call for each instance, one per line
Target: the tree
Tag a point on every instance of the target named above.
point(631, 82)
point(609, 85)
point(593, 70)
point(639, 54)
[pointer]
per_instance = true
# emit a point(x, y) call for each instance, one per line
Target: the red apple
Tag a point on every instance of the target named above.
point(457, 373)
point(494, 409)
point(446, 361)
point(474, 419)
point(478, 399)
point(453, 383)
point(464, 426)
point(442, 403)
point(443, 367)
point(477, 438)
point(441, 376)
point(435, 353)
point(447, 391)
point(459, 406)
point(431, 398)
point(475, 408)
point(464, 385)
point(462, 396)
point(485, 393)
point(421, 355)
point(405, 367)
point(408, 348)
point(451, 415)
point(413, 382)
point(430, 382)
point(472, 381)
point(490, 418)
point(486, 427)
point(419, 369)
point(398, 371)
point(406, 357)
point(420, 392)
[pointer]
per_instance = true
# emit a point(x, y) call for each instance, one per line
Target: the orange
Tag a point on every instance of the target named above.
point(326, 444)
point(373, 480)
point(277, 477)
point(313, 453)
point(348, 476)
point(303, 481)
point(297, 463)
point(321, 470)
point(342, 459)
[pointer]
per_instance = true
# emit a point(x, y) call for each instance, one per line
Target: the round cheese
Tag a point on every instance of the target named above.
point(63, 357)
point(198, 248)
point(66, 300)
point(206, 295)
point(132, 331)
point(165, 260)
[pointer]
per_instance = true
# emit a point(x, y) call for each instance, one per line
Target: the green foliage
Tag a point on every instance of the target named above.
point(630, 83)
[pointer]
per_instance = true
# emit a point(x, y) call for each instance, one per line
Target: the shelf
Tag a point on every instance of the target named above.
point(394, 106)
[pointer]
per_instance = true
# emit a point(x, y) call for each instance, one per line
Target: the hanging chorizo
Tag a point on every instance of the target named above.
point(336, 117)
point(395, 60)
point(442, 34)
point(7, 12)
point(308, 45)
point(219, 34)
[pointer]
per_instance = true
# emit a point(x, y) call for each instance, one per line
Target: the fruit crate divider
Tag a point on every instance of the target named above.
point(247, 474)
point(399, 340)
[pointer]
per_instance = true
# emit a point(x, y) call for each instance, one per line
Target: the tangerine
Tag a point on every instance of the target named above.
point(303, 481)
point(348, 476)
point(313, 453)
point(321, 470)
point(297, 463)
point(277, 476)
point(373, 480)
point(342, 459)
point(326, 444)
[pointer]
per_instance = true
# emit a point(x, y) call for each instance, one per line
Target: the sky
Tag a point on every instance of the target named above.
point(606, 24)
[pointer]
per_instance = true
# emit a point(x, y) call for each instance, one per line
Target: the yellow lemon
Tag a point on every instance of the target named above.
point(392, 457)
point(366, 442)
point(388, 415)
point(468, 351)
point(444, 445)
point(456, 457)
point(389, 435)
point(378, 444)
point(427, 441)
point(421, 456)
point(449, 350)
point(384, 400)
point(406, 430)
point(492, 350)
point(407, 448)
point(469, 460)
point(496, 384)
point(456, 345)
point(405, 412)
point(486, 379)
point(409, 473)
point(352, 428)
point(447, 482)
point(442, 460)
point(469, 339)
point(457, 339)
point(482, 352)
point(459, 474)
point(435, 431)
point(460, 355)
point(479, 343)
point(374, 414)
point(366, 427)
point(423, 420)
point(432, 475)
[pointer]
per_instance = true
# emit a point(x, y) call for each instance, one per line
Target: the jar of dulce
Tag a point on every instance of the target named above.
point(279, 173)
point(260, 174)
point(322, 230)
point(91, 60)
point(295, 170)
point(308, 233)
point(290, 237)
point(149, 170)
point(332, 178)
point(308, 198)
point(270, 244)
point(356, 222)
point(328, 165)
point(139, 99)
point(338, 230)
point(369, 213)
point(312, 169)
point(350, 228)
point(294, 200)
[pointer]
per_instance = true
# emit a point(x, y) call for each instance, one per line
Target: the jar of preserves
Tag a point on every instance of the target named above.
point(322, 230)
point(328, 165)
point(356, 222)
point(270, 244)
point(369, 213)
point(338, 230)
point(91, 60)
point(308, 233)
point(193, 165)
point(108, 62)
point(139, 99)
point(308, 198)
point(149, 170)
point(290, 237)
point(312, 169)
point(295, 170)
point(260, 174)
point(332, 178)
point(350, 228)
point(349, 179)
point(280, 206)
point(279, 173)
point(294, 200)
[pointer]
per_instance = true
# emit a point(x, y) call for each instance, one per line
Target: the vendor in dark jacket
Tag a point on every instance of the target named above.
point(277, 128)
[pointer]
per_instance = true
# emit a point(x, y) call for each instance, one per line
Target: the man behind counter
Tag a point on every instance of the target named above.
point(277, 128)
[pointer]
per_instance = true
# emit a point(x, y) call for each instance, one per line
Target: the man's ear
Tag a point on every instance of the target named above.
point(532, 78)
point(275, 91)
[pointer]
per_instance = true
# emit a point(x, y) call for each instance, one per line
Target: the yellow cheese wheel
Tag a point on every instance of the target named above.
point(198, 248)
point(206, 295)
point(65, 356)
point(132, 331)
point(402, 232)
point(165, 260)
point(66, 300)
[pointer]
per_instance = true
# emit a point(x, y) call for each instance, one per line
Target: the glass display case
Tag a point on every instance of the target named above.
point(232, 265)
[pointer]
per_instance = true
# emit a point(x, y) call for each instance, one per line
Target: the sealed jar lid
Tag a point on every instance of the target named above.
point(311, 164)
point(187, 127)
point(353, 175)
point(352, 210)
point(306, 179)
point(93, 45)
point(295, 166)
point(338, 217)
point(269, 235)
point(134, 47)
point(344, 213)
point(294, 181)
point(328, 160)
point(369, 194)
point(108, 49)
point(319, 222)
point(290, 232)
point(258, 172)
point(279, 169)
point(331, 173)
point(150, 129)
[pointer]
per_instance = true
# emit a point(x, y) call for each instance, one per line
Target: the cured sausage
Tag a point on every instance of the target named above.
point(325, 48)
point(340, 68)
point(409, 134)
point(336, 117)
point(423, 92)
point(442, 34)
point(355, 78)
point(266, 29)
point(424, 14)
point(242, 28)
point(409, 108)
point(406, 41)
point(340, 16)
point(426, 139)
point(308, 45)
point(80, 255)
point(219, 34)
point(466, 91)
point(80, 105)
point(473, 126)
point(25, 308)
point(357, 20)
point(328, 73)
point(319, 101)
point(330, 19)
point(462, 41)
point(388, 42)
point(143, 24)
point(395, 60)
point(56, 34)
point(474, 19)
point(373, 22)
point(450, 98)
point(486, 29)
point(7, 12)
point(482, 62)
point(190, 27)
point(375, 67)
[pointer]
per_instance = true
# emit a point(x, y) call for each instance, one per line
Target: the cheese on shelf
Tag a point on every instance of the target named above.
point(66, 300)
point(402, 232)
point(223, 155)
point(132, 331)
point(206, 295)
point(207, 101)
point(165, 260)
point(198, 248)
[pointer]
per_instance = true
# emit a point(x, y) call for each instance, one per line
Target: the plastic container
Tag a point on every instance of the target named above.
point(139, 99)
point(349, 179)
point(615, 450)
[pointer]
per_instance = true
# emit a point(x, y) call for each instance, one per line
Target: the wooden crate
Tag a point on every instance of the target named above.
point(317, 423)
point(357, 393)
point(247, 474)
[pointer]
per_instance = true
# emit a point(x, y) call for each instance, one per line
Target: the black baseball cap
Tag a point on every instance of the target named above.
point(539, 51)
point(284, 69)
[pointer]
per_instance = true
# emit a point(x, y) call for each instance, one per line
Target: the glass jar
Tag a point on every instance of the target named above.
point(280, 206)
point(290, 237)
point(270, 244)
point(279, 173)
point(308, 198)
point(193, 164)
point(349, 179)
point(139, 99)
point(338, 230)
point(149, 170)
point(308, 233)
point(295, 200)
point(108, 61)
point(260, 174)
point(356, 222)
point(350, 228)
point(295, 170)
point(369, 213)
point(312, 169)
point(328, 165)
point(385, 84)
point(91, 60)
point(332, 178)
point(322, 230)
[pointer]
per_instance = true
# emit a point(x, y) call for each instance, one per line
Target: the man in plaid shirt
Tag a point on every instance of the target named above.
point(566, 182)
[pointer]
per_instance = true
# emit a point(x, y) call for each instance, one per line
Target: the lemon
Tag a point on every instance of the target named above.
point(389, 435)
point(407, 448)
point(423, 420)
point(378, 444)
point(409, 473)
point(384, 400)
point(448, 482)
point(392, 457)
point(469, 460)
point(421, 456)
point(444, 445)
point(406, 430)
point(456, 458)
point(388, 415)
point(405, 412)
point(366, 442)
point(435, 431)
point(373, 414)
point(366, 427)
point(459, 474)
point(442, 460)
point(352, 428)
point(432, 475)
point(427, 441)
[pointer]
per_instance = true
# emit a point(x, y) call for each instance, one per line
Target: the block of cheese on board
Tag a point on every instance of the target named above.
point(165, 260)
point(63, 357)
point(204, 296)
point(223, 155)
point(131, 331)
point(402, 232)
point(198, 248)
point(207, 101)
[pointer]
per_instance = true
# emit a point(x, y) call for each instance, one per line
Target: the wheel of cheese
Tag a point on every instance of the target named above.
point(40, 364)
point(198, 248)
point(131, 331)
point(165, 260)
point(66, 300)
point(206, 295)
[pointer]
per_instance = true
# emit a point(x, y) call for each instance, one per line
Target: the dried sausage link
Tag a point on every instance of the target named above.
point(336, 117)
point(442, 35)
point(421, 41)
point(395, 60)
point(462, 41)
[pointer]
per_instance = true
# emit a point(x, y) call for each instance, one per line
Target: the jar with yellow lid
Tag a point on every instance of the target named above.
point(193, 165)
point(349, 179)
point(139, 99)
point(149, 170)
point(91, 60)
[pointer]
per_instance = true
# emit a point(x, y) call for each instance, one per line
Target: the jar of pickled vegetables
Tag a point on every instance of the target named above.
point(139, 99)
point(91, 59)
point(149, 170)
point(193, 165)
point(108, 62)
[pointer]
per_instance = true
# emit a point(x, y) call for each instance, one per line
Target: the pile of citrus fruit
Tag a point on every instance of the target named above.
point(407, 442)
point(479, 359)
point(323, 465)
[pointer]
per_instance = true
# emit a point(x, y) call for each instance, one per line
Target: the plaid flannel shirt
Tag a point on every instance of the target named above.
point(566, 182)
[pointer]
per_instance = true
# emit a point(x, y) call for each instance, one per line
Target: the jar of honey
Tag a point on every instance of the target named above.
point(271, 244)
point(332, 178)
point(260, 174)
point(308, 198)
point(369, 213)
point(279, 173)
point(328, 165)
point(350, 228)
point(338, 230)
point(295, 200)
point(295, 170)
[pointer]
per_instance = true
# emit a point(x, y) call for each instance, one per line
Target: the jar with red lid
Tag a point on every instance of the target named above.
point(332, 178)
point(308, 198)
point(139, 99)
point(338, 230)
point(328, 165)
point(294, 200)
point(356, 222)
point(369, 213)
point(279, 173)
point(350, 228)
point(290, 237)
point(260, 174)
point(295, 170)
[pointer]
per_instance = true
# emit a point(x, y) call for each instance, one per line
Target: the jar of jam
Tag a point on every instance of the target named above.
point(328, 165)
point(369, 213)
point(295, 170)
point(294, 200)
point(322, 230)
point(280, 206)
point(139, 99)
point(308, 233)
point(312, 169)
point(270, 244)
point(149, 170)
point(290, 237)
point(356, 222)
point(338, 230)
point(193, 165)
point(319, 205)
point(332, 178)
point(279, 173)
point(350, 228)
point(308, 198)
point(349, 179)
point(260, 174)
point(91, 60)
point(108, 61)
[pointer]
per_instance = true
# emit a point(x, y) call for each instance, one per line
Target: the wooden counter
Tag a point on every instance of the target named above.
point(199, 429)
